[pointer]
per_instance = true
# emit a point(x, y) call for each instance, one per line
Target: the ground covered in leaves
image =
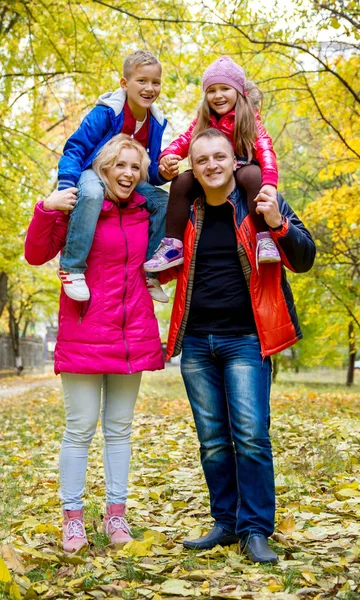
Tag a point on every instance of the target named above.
point(316, 437)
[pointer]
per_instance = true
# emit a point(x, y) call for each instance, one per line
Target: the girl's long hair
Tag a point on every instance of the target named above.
point(245, 130)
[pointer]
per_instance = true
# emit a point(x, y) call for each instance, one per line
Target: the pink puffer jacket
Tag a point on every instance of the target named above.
point(116, 331)
point(264, 151)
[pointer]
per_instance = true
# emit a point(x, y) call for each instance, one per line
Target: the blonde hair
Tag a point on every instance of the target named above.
point(137, 59)
point(108, 155)
point(245, 129)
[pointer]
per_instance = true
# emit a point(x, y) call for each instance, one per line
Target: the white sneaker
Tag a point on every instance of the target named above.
point(155, 290)
point(74, 285)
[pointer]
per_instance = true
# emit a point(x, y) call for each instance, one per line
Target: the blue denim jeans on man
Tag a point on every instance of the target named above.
point(228, 385)
point(84, 217)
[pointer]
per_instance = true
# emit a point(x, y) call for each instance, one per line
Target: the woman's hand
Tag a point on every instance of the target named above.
point(169, 166)
point(64, 200)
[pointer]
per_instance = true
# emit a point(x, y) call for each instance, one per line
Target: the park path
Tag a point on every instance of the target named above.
point(17, 386)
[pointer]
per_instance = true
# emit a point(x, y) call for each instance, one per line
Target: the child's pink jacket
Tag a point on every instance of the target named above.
point(264, 151)
point(116, 331)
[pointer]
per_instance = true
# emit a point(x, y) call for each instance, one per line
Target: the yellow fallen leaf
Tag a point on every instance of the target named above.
point(77, 582)
point(274, 587)
point(12, 559)
point(346, 493)
point(40, 588)
point(310, 508)
point(194, 533)
point(308, 576)
point(287, 525)
point(14, 592)
point(47, 528)
point(158, 538)
point(177, 587)
point(29, 523)
point(136, 548)
point(353, 485)
point(5, 575)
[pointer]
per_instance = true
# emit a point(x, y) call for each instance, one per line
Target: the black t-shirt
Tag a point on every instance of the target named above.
point(220, 302)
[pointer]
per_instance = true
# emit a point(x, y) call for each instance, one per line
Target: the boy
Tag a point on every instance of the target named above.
point(128, 110)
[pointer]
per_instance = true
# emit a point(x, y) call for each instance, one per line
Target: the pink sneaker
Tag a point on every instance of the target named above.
point(74, 536)
point(170, 253)
point(116, 526)
point(266, 249)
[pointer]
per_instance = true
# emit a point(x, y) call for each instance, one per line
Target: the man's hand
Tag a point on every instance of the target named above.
point(64, 200)
point(268, 206)
point(169, 166)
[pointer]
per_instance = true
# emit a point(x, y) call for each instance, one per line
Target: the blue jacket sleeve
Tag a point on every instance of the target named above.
point(155, 138)
point(155, 177)
point(294, 240)
point(82, 144)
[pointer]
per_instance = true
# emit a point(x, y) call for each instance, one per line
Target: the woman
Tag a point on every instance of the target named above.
point(106, 342)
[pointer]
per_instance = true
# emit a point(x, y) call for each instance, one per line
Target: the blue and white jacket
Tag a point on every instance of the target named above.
point(101, 124)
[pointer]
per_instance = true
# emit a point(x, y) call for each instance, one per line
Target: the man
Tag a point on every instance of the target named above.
point(228, 318)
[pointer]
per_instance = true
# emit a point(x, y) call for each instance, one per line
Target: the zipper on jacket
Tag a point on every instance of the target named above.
point(125, 291)
point(248, 234)
point(83, 310)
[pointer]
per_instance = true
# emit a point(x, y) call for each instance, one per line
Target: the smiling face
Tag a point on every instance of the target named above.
point(221, 98)
point(124, 175)
point(213, 163)
point(143, 88)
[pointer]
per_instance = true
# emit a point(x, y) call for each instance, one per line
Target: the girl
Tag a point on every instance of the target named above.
point(106, 343)
point(231, 105)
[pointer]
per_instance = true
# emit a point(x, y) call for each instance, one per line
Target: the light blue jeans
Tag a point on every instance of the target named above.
point(82, 395)
point(84, 217)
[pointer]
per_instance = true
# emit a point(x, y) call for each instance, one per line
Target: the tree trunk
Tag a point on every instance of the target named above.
point(275, 368)
point(3, 291)
point(293, 358)
point(352, 355)
point(15, 338)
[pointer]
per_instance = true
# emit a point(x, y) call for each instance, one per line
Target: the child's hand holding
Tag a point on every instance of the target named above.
point(269, 190)
point(64, 200)
point(169, 166)
point(268, 206)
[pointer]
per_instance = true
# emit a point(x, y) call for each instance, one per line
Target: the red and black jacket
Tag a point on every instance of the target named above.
point(271, 297)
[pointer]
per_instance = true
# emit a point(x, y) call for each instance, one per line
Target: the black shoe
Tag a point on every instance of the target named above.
point(257, 550)
point(217, 535)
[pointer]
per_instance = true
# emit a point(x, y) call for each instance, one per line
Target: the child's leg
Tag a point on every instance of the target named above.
point(249, 178)
point(156, 203)
point(82, 223)
point(170, 252)
point(183, 191)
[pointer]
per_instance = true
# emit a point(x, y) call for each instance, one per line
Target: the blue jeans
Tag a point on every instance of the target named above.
point(228, 386)
point(84, 217)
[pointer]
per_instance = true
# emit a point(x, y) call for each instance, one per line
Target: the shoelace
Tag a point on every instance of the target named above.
point(265, 244)
point(75, 529)
point(162, 248)
point(118, 523)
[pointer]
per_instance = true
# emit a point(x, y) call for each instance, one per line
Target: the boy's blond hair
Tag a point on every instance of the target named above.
point(108, 155)
point(137, 59)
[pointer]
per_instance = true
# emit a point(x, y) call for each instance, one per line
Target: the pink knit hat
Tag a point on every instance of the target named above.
point(224, 70)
